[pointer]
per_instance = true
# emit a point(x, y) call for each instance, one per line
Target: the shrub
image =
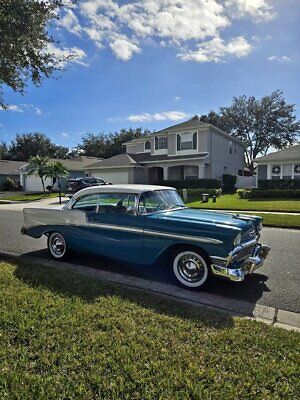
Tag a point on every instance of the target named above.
point(228, 183)
point(196, 194)
point(279, 184)
point(192, 183)
point(269, 194)
point(10, 184)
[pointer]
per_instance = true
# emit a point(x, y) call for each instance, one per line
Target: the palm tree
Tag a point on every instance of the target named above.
point(38, 165)
point(56, 171)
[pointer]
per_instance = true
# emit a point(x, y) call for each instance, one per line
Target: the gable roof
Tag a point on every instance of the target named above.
point(191, 123)
point(120, 160)
point(9, 167)
point(289, 154)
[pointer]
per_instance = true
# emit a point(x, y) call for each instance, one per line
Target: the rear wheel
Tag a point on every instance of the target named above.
point(190, 268)
point(57, 245)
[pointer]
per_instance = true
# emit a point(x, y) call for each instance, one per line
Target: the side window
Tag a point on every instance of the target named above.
point(117, 203)
point(87, 203)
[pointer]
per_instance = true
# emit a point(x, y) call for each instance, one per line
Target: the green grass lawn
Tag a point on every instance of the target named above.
point(28, 197)
point(233, 202)
point(281, 221)
point(65, 336)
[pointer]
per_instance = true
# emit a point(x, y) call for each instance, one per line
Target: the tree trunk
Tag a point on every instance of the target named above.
point(43, 184)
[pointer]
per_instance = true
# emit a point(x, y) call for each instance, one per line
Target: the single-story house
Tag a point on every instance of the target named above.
point(189, 150)
point(282, 164)
point(10, 169)
point(76, 167)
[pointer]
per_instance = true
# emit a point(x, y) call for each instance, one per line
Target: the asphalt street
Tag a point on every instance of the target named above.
point(276, 284)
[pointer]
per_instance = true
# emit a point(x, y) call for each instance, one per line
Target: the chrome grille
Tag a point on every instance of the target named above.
point(244, 253)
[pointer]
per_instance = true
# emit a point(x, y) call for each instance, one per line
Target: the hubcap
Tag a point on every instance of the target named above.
point(57, 245)
point(190, 268)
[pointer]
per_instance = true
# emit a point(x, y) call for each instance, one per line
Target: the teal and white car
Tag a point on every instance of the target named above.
point(147, 224)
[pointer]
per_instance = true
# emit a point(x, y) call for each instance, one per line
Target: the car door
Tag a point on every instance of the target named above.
point(113, 227)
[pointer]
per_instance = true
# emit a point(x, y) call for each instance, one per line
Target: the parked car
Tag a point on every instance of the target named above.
point(76, 184)
point(146, 224)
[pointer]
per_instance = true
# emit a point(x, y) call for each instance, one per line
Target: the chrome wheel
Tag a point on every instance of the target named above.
point(190, 269)
point(57, 245)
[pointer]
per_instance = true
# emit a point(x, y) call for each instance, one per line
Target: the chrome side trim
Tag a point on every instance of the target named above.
point(184, 237)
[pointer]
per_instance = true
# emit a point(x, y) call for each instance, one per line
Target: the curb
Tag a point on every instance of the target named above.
point(269, 315)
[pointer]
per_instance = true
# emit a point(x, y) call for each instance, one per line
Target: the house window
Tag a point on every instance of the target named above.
point(147, 146)
point(287, 171)
point(187, 141)
point(161, 143)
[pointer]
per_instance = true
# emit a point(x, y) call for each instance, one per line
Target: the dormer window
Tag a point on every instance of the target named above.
point(187, 141)
point(147, 145)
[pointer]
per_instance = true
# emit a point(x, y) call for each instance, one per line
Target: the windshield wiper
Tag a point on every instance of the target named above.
point(177, 206)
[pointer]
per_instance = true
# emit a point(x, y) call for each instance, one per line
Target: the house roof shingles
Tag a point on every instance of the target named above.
point(128, 160)
point(9, 167)
point(289, 154)
point(120, 160)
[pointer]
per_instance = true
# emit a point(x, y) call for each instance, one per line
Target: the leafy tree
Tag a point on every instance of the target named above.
point(39, 166)
point(3, 151)
point(24, 44)
point(262, 124)
point(56, 171)
point(31, 144)
point(106, 146)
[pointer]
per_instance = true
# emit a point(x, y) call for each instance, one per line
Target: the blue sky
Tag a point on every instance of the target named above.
point(153, 63)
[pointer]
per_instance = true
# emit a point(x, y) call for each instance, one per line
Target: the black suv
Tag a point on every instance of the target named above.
point(73, 185)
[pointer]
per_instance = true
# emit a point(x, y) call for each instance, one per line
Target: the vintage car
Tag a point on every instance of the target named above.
point(145, 224)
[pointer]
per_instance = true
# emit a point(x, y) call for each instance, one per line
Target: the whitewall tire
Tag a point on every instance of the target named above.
point(57, 245)
point(190, 268)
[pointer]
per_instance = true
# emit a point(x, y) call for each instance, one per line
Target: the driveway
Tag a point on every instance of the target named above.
point(276, 284)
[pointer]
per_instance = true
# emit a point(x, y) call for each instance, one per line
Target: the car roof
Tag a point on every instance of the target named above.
point(137, 189)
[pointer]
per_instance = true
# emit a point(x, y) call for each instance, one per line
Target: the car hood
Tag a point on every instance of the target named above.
point(240, 221)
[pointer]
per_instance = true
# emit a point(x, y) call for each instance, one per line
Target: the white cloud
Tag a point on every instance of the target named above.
point(162, 116)
point(177, 98)
point(280, 58)
point(125, 27)
point(74, 54)
point(12, 107)
point(123, 48)
point(258, 10)
point(217, 49)
point(70, 22)
point(36, 110)
point(65, 135)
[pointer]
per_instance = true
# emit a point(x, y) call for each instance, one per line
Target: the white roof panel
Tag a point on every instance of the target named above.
point(120, 189)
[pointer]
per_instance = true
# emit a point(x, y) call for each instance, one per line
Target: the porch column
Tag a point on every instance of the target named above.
point(269, 171)
point(201, 171)
point(165, 173)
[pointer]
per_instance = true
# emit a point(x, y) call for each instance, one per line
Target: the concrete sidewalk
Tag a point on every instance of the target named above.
point(19, 206)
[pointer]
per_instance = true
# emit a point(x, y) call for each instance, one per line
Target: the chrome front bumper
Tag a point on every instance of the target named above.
point(234, 270)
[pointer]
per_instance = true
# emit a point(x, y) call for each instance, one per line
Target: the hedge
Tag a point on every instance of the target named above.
point(279, 184)
point(228, 183)
point(269, 194)
point(192, 183)
point(196, 194)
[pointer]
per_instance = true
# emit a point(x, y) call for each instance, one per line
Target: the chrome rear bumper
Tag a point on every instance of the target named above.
point(236, 271)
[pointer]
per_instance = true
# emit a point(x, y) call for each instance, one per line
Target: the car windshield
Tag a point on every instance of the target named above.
point(159, 200)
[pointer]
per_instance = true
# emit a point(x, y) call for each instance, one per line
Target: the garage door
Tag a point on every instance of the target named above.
point(111, 176)
point(34, 184)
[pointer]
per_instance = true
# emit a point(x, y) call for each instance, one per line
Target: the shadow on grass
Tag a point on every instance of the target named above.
point(73, 285)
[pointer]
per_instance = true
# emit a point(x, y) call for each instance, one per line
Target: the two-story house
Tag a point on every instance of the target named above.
point(189, 150)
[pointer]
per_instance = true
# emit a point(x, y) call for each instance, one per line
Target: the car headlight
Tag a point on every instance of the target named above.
point(260, 225)
point(237, 240)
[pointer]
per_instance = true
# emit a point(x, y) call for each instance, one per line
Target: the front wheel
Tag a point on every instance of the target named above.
point(57, 245)
point(190, 268)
